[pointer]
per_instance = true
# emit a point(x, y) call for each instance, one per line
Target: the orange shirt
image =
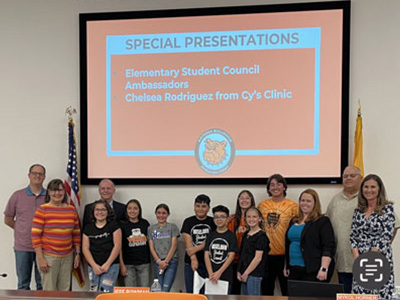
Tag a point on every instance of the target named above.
point(56, 230)
point(239, 233)
point(277, 216)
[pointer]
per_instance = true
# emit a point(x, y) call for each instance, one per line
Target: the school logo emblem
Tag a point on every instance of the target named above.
point(199, 233)
point(273, 219)
point(219, 250)
point(137, 238)
point(215, 151)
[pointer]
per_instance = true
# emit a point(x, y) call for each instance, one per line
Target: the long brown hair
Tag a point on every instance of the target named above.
point(135, 201)
point(316, 211)
point(238, 212)
point(381, 199)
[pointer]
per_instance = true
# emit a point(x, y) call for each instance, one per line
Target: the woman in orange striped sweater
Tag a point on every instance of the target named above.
point(55, 234)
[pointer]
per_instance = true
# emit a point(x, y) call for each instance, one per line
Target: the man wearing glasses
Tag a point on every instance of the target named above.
point(18, 215)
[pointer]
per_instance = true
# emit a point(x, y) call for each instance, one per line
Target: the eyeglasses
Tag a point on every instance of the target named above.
point(100, 209)
point(220, 217)
point(37, 174)
point(58, 190)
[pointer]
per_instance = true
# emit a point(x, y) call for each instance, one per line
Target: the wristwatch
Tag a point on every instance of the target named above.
point(324, 269)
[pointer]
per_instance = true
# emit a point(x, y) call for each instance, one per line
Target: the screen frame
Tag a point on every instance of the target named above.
point(209, 11)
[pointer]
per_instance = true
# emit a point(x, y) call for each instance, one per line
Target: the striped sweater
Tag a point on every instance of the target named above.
point(56, 230)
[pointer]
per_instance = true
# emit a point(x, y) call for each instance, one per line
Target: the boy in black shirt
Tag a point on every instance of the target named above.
point(195, 230)
point(220, 248)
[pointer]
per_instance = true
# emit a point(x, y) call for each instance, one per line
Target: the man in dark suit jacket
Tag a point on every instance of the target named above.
point(106, 191)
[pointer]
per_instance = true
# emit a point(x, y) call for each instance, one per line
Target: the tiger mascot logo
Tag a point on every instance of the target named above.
point(215, 152)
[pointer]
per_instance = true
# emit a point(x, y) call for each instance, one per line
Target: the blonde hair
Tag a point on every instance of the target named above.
point(253, 208)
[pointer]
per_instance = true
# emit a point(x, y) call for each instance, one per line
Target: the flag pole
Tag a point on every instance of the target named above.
point(72, 183)
point(358, 159)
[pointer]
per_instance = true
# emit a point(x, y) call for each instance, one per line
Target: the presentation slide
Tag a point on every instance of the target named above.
point(215, 96)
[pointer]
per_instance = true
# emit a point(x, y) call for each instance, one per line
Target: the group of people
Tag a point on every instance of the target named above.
point(250, 249)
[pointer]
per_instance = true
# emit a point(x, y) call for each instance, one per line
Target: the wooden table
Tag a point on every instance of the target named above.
point(33, 295)
point(47, 295)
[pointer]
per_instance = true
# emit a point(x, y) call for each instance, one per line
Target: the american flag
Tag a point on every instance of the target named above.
point(73, 186)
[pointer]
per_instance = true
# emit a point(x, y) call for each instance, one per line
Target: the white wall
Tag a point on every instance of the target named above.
point(39, 79)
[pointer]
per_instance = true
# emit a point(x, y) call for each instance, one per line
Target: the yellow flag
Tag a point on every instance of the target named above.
point(358, 142)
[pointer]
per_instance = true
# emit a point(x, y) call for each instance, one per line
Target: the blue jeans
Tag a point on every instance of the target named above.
point(189, 275)
point(104, 282)
point(166, 279)
point(252, 286)
point(347, 280)
point(24, 261)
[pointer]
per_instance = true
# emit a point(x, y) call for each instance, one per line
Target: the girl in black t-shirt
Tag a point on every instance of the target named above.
point(101, 244)
point(135, 258)
point(253, 253)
